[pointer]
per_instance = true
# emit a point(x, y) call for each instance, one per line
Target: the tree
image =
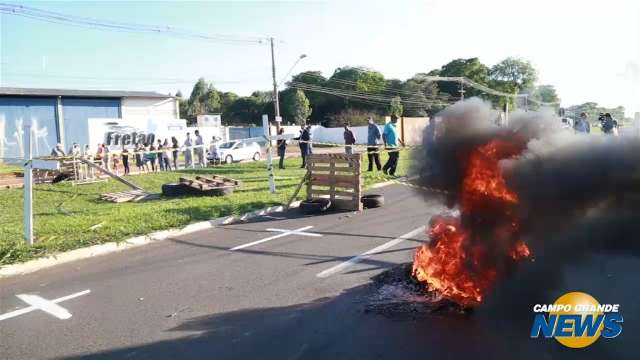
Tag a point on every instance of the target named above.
point(471, 69)
point(544, 94)
point(517, 73)
point(420, 96)
point(358, 79)
point(395, 107)
point(298, 106)
point(211, 100)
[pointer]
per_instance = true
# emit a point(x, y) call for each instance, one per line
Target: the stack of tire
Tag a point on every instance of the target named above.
point(179, 189)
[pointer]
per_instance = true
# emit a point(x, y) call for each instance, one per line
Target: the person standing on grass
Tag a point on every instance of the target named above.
point(373, 136)
point(139, 154)
point(390, 138)
point(160, 155)
point(166, 155)
point(199, 149)
point(188, 155)
point(125, 160)
point(115, 159)
point(582, 124)
point(282, 148)
point(152, 155)
point(349, 139)
point(175, 146)
point(87, 155)
point(213, 150)
point(304, 143)
point(106, 157)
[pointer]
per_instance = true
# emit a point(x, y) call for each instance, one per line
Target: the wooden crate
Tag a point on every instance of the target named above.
point(336, 176)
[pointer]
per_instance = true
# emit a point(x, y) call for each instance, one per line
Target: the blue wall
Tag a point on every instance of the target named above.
point(14, 111)
point(76, 112)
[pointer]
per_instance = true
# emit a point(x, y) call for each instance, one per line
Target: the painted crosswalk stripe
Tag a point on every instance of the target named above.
point(356, 259)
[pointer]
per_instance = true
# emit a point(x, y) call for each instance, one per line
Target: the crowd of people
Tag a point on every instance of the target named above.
point(148, 157)
point(388, 136)
point(608, 125)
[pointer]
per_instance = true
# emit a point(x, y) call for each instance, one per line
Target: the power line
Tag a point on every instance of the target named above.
point(116, 79)
point(466, 81)
point(107, 25)
point(384, 88)
point(360, 95)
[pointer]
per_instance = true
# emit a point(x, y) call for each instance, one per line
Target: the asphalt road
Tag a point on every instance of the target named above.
point(219, 294)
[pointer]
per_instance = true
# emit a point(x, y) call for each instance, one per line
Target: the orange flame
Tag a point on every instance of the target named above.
point(452, 264)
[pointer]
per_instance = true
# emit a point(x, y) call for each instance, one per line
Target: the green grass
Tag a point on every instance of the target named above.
point(9, 169)
point(68, 217)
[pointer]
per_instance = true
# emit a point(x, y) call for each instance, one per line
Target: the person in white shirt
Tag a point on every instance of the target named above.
point(188, 155)
point(199, 150)
point(213, 149)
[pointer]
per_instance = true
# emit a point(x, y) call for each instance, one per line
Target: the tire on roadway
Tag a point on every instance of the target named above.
point(314, 206)
point(372, 201)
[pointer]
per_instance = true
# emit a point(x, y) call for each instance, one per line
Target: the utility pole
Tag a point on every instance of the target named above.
point(267, 136)
point(276, 101)
point(28, 185)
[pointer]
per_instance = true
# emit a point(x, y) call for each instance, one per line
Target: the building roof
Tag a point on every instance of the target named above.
point(4, 91)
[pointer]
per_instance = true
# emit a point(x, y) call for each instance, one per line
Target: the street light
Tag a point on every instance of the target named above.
point(292, 66)
point(276, 101)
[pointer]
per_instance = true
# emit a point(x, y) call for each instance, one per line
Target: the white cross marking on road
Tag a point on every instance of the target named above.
point(283, 233)
point(51, 307)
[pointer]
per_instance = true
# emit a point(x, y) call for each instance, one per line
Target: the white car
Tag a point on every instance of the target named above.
point(238, 150)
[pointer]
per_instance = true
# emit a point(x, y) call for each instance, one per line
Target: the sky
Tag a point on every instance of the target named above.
point(589, 50)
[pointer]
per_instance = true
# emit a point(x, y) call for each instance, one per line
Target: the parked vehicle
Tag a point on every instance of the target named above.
point(238, 150)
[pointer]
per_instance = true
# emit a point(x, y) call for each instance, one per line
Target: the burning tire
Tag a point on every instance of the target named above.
point(173, 190)
point(372, 201)
point(314, 206)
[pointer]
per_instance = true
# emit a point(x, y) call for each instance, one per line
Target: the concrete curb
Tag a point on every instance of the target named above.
point(111, 247)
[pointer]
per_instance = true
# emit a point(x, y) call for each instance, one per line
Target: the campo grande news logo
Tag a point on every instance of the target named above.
point(576, 320)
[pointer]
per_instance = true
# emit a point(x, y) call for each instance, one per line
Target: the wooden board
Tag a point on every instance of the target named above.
point(125, 196)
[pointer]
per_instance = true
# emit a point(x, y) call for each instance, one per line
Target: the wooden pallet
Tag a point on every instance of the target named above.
point(336, 176)
point(125, 196)
point(202, 183)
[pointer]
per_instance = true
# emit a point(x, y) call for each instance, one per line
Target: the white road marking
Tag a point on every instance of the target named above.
point(283, 233)
point(356, 259)
point(295, 232)
point(39, 303)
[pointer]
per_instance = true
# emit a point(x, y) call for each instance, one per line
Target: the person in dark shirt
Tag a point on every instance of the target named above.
point(160, 155)
point(282, 148)
point(125, 160)
point(305, 145)
point(175, 147)
point(349, 139)
point(139, 160)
